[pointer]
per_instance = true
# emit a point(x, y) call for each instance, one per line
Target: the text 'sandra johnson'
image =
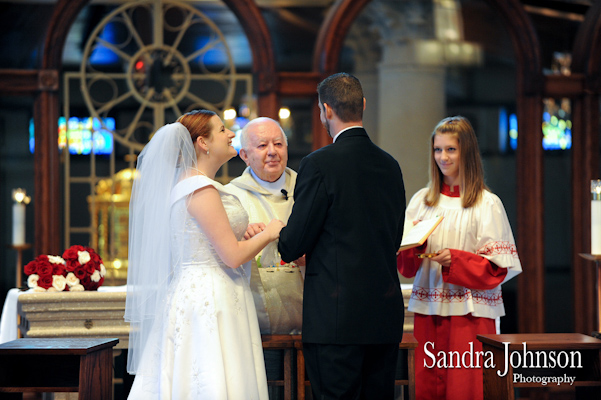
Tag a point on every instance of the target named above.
point(517, 359)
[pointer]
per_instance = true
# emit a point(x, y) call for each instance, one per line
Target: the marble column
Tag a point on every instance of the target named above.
point(411, 76)
point(412, 96)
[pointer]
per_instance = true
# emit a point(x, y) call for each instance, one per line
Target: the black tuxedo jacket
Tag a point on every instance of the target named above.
point(348, 216)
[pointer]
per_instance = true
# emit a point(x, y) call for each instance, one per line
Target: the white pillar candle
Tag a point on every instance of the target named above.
point(596, 217)
point(18, 224)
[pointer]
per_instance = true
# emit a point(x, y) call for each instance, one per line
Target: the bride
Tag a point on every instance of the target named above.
point(193, 328)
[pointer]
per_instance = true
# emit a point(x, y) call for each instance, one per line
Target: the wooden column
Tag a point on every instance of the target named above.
point(47, 192)
point(585, 164)
point(585, 139)
point(585, 161)
point(530, 216)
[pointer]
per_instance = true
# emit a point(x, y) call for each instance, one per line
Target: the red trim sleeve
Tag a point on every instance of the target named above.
point(407, 263)
point(472, 271)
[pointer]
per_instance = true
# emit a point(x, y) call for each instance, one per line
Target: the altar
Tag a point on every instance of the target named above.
point(97, 314)
point(84, 314)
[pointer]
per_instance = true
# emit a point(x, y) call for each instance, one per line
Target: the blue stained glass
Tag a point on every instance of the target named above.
point(102, 55)
point(83, 133)
point(513, 131)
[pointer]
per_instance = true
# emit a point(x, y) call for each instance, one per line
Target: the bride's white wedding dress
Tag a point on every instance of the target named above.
point(205, 344)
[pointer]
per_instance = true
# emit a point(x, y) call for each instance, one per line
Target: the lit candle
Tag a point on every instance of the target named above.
point(596, 216)
point(20, 199)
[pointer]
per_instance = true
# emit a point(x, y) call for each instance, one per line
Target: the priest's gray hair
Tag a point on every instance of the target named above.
point(245, 131)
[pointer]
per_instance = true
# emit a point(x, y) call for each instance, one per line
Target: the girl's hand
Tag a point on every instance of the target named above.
point(443, 257)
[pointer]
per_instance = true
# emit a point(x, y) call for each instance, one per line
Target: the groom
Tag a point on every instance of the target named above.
point(348, 219)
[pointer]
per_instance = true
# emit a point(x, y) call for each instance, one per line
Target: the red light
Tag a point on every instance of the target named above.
point(139, 65)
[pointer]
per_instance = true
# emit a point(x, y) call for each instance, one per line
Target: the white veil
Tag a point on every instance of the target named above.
point(168, 154)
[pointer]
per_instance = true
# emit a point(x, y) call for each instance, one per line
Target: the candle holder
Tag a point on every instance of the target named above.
point(19, 264)
point(596, 216)
point(597, 259)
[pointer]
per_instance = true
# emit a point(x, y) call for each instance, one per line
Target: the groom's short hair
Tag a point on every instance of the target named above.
point(343, 93)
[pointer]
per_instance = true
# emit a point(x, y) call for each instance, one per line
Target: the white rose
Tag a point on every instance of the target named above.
point(52, 289)
point(83, 257)
point(77, 288)
point(32, 281)
point(95, 276)
point(59, 282)
point(56, 260)
point(71, 279)
point(102, 270)
point(39, 289)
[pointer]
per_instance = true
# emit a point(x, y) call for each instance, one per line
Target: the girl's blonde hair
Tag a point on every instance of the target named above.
point(471, 173)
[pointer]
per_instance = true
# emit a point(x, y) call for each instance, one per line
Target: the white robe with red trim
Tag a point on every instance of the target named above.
point(455, 304)
point(482, 230)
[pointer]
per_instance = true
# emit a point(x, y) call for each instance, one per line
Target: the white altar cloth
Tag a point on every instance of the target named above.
point(8, 321)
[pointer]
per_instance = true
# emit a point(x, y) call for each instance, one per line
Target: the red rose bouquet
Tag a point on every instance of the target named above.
point(46, 273)
point(79, 269)
point(85, 265)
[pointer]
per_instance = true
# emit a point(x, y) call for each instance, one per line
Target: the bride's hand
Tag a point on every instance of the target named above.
point(273, 228)
point(254, 229)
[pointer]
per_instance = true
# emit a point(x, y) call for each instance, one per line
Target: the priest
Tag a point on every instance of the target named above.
point(265, 190)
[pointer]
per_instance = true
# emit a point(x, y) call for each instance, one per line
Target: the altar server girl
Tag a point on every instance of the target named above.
point(457, 291)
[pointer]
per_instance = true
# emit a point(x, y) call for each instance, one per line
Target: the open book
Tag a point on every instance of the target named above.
point(419, 233)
